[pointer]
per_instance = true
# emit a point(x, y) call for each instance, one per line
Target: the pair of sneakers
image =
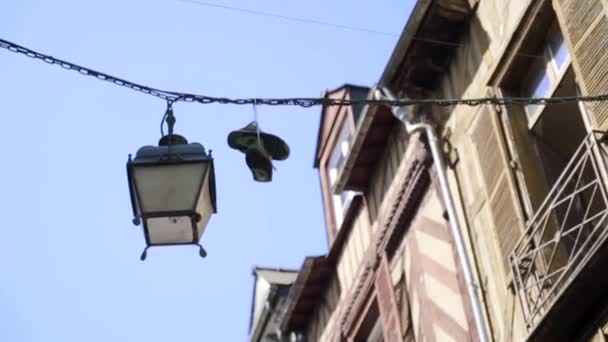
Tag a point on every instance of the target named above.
point(260, 150)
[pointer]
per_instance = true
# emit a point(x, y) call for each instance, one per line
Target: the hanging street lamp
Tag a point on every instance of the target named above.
point(172, 188)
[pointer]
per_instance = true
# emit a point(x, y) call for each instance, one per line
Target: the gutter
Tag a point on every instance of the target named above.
point(435, 144)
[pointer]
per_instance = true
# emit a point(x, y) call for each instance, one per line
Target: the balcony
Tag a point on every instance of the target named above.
point(559, 263)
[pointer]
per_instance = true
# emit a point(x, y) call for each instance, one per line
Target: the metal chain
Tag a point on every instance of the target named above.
point(173, 96)
point(165, 95)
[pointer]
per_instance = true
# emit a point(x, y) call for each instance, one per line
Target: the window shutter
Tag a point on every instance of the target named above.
point(502, 198)
point(585, 28)
point(387, 303)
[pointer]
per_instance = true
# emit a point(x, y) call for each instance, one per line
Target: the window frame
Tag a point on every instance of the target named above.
point(505, 82)
point(550, 69)
point(341, 147)
point(369, 317)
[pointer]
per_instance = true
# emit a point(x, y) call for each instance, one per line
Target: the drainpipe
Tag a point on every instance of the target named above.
point(448, 199)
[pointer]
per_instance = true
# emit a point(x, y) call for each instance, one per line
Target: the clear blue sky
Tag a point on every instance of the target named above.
point(69, 255)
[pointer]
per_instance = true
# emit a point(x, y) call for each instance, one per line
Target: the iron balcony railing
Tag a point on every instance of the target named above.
point(564, 233)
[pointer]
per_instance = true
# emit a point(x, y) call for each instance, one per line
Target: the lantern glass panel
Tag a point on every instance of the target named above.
point(169, 230)
point(168, 187)
point(205, 206)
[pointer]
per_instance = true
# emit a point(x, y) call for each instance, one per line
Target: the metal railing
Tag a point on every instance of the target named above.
point(564, 233)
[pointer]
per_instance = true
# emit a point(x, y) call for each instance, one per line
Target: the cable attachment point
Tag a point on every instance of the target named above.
point(169, 117)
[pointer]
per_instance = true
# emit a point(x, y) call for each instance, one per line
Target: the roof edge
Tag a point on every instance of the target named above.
point(298, 287)
point(316, 160)
point(264, 316)
point(325, 94)
point(275, 269)
point(405, 40)
point(255, 280)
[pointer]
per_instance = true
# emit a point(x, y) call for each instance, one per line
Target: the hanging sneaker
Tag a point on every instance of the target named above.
point(246, 137)
point(260, 163)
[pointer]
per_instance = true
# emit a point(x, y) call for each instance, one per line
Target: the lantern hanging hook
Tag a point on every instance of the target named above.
point(169, 117)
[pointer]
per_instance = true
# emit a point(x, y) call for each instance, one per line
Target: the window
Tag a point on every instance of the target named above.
point(546, 71)
point(340, 152)
point(371, 329)
point(376, 334)
point(549, 136)
point(542, 138)
point(556, 171)
point(338, 156)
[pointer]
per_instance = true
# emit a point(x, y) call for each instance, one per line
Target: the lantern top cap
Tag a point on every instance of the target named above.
point(192, 152)
point(172, 139)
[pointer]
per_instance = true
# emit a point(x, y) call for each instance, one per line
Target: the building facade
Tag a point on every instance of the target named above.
point(528, 183)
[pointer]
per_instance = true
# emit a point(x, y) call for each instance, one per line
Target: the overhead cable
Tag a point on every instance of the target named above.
point(174, 96)
point(289, 18)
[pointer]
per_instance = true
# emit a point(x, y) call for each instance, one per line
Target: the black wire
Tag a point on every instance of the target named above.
point(290, 18)
point(329, 24)
point(162, 124)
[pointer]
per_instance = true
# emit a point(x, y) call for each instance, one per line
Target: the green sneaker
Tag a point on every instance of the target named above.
point(246, 137)
point(260, 163)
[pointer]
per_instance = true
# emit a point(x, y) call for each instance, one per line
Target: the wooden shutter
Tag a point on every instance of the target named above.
point(584, 24)
point(502, 199)
point(387, 304)
point(337, 336)
point(403, 305)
